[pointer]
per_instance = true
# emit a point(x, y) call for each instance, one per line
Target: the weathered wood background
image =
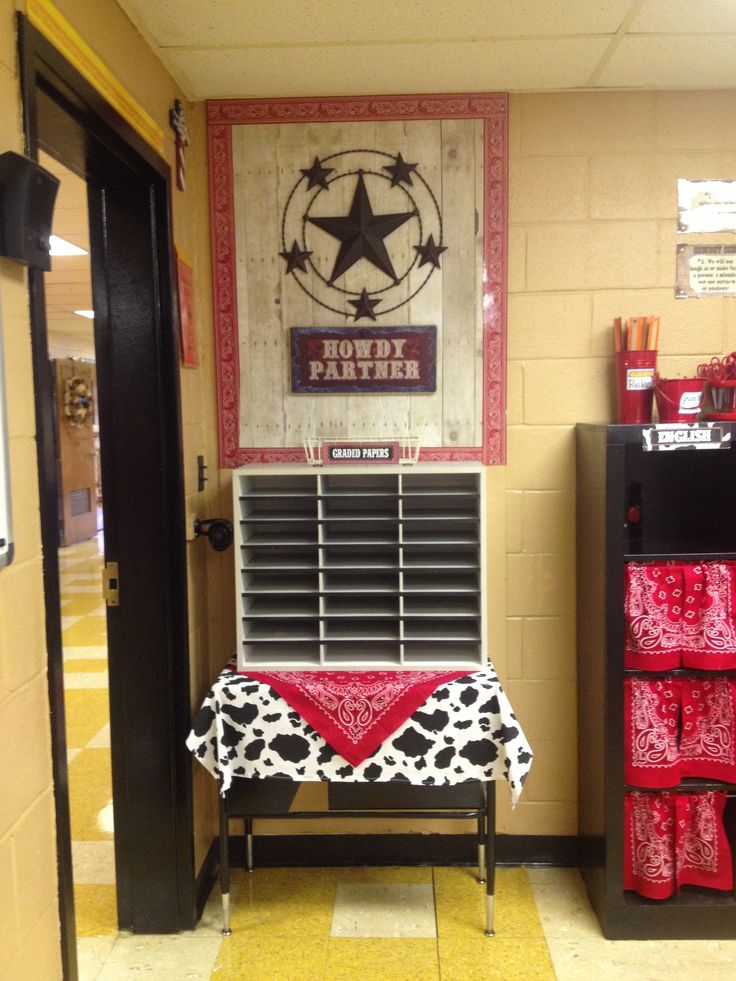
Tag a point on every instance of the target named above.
point(266, 162)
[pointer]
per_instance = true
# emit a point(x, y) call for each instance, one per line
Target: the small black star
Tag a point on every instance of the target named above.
point(316, 174)
point(296, 258)
point(400, 171)
point(361, 234)
point(364, 306)
point(430, 252)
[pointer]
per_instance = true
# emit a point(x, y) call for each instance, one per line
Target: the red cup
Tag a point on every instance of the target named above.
point(635, 372)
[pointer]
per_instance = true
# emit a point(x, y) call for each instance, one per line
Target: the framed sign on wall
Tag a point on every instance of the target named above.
point(371, 231)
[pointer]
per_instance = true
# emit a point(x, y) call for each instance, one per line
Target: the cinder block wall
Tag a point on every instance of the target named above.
point(592, 235)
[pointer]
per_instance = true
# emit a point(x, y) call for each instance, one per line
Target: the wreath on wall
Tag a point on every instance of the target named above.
point(77, 401)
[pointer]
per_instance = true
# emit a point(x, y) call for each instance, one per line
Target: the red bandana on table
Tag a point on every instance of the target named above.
point(708, 737)
point(651, 724)
point(355, 711)
point(653, 599)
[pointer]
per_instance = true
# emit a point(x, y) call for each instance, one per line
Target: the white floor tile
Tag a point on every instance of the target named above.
point(101, 740)
point(383, 909)
point(85, 679)
point(89, 651)
point(93, 862)
point(166, 958)
point(92, 952)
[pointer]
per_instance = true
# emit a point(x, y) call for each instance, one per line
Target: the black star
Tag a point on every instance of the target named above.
point(361, 234)
point(430, 252)
point(316, 174)
point(364, 305)
point(296, 258)
point(400, 171)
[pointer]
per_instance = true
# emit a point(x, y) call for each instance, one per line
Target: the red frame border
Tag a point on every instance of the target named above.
point(493, 109)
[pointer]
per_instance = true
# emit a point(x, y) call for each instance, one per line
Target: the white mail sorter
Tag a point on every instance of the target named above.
point(360, 566)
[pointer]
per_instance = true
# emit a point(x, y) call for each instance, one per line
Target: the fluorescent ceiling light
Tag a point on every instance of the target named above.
point(89, 314)
point(60, 246)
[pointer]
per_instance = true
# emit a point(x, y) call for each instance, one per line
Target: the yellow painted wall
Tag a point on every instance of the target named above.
point(592, 216)
point(29, 931)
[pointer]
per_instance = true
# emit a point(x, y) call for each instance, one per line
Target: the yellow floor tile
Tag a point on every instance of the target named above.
point(87, 710)
point(271, 958)
point(350, 959)
point(84, 664)
point(461, 904)
point(95, 909)
point(89, 630)
point(285, 901)
point(81, 604)
point(90, 790)
point(495, 959)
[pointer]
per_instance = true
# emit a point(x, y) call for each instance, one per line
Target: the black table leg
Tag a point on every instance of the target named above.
point(490, 791)
point(224, 865)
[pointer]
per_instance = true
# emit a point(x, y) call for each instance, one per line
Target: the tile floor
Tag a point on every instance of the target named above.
point(392, 924)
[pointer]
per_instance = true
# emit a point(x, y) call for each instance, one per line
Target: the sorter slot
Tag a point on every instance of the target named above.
point(283, 582)
point(372, 651)
point(439, 558)
point(366, 531)
point(278, 557)
point(370, 629)
point(281, 628)
point(335, 557)
point(440, 604)
point(361, 579)
point(441, 629)
point(284, 605)
point(361, 605)
point(279, 533)
point(446, 508)
point(368, 484)
point(431, 581)
point(435, 484)
point(278, 508)
point(349, 507)
point(445, 653)
point(299, 653)
point(277, 484)
point(439, 532)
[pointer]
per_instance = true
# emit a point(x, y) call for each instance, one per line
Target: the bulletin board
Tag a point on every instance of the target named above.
point(360, 242)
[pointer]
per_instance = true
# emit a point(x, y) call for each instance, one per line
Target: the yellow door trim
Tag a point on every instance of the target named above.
point(57, 29)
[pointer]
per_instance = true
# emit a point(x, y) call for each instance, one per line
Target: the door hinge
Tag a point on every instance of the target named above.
point(111, 584)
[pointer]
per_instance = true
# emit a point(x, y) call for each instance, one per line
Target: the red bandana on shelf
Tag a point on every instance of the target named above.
point(355, 711)
point(674, 840)
point(710, 643)
point(703, 852)
point(651, 721)
point(708, 739)
point(653, 598)
point(649, 844)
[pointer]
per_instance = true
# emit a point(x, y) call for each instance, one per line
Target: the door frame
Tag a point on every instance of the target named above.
point(155, 791)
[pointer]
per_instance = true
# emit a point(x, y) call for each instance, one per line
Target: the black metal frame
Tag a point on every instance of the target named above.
point(271, 798)
point(149, 690)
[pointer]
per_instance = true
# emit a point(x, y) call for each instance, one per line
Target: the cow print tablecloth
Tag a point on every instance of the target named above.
point(466, 730)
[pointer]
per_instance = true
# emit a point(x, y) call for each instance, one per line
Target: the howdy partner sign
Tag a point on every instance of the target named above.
point(363, 359)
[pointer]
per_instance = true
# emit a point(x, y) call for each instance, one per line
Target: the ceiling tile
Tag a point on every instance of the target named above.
point(222, 23)
point(672, 62)
point(483, 66)
point(685, 17)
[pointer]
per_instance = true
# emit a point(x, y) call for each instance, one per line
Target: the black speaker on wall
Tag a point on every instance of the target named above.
point(27, 196)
